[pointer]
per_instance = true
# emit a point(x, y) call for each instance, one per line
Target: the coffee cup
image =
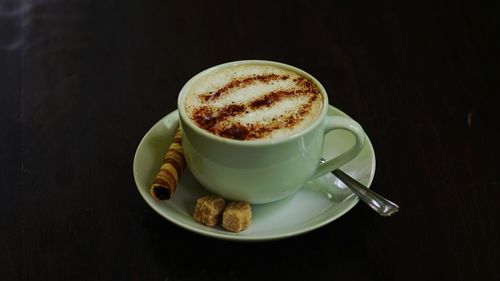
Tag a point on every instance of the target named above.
point(253, 130)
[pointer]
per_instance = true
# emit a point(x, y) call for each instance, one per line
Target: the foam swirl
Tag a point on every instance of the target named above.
point(251, 102)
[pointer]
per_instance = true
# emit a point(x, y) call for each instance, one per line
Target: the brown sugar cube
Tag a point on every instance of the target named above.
point(208, 210)
point(237, 216)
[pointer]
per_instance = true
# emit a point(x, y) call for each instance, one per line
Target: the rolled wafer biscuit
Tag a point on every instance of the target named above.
point(163, 188)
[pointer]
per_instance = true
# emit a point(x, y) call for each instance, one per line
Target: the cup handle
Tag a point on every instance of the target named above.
point(335, 123)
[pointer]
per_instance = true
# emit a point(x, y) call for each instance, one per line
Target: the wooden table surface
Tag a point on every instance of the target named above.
point(82, 81)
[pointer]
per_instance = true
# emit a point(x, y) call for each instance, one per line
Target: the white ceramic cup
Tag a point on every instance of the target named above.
point(263, 171)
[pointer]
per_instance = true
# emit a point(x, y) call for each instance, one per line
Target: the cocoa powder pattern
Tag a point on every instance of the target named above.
point(239, 84)
point(216, 119)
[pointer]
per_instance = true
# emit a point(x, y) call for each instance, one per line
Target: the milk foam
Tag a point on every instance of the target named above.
point(285, 98)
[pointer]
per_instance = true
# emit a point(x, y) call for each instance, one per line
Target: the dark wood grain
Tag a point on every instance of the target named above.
point(82, 81)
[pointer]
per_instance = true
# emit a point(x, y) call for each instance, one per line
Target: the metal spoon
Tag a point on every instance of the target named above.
point(378, 203)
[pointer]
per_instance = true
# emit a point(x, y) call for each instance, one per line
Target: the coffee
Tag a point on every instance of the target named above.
point(248, 125)
point(253, 102)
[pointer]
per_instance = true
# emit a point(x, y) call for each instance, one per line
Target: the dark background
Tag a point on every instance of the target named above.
point(82, 81)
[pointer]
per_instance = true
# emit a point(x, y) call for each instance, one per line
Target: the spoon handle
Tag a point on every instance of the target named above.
point(378, 203)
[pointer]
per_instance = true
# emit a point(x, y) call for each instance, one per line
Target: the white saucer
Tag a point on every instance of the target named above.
point(319, 202)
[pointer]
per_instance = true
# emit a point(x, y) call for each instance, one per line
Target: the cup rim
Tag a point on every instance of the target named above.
point(187, 121)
